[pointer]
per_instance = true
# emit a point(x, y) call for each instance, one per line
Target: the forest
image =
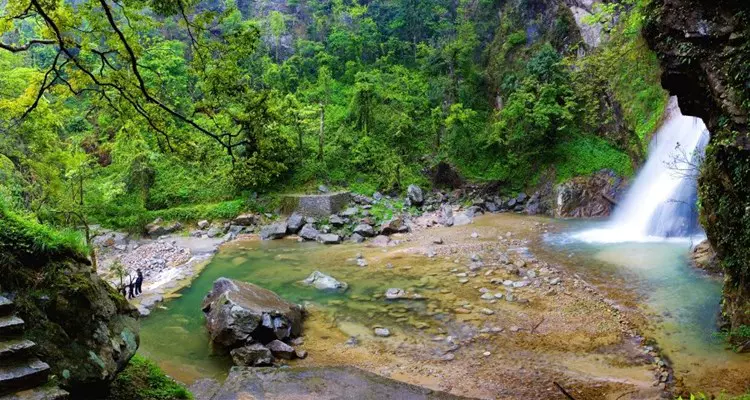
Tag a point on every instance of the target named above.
point(180, 109)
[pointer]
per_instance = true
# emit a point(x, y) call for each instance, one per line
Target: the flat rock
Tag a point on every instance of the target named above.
point(281, 350)
point(329, 238)
point(322, 281)
point(332, 383)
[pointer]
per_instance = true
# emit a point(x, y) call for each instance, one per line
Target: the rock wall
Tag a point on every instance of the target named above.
point(84, 330)
point(704, 48)
point(588, 197)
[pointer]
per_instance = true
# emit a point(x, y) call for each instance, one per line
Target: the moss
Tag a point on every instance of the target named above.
point(143, 380)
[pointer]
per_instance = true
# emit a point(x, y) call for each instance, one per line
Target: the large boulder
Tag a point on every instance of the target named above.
point(364, 230)
point(294, 223)
point(240, 313)
point(308, 232)
point(244, 220)
point(393, 225)
point(157, 228)
point(588, 197)
point(322, 281)
point(273, 231)
point(415, 195)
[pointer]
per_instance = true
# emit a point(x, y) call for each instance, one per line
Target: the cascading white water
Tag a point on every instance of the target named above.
point(661, 203)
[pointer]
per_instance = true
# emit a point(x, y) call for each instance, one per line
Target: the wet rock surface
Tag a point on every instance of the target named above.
point(305, 383)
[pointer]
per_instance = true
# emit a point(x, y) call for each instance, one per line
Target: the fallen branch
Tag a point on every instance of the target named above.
point(564, 392)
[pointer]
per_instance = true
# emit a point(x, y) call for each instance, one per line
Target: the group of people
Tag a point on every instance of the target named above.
point(134, 287)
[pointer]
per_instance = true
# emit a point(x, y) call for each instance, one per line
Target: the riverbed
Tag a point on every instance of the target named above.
point(578, 332)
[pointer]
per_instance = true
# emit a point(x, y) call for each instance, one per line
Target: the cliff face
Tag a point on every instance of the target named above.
point(704, 48)
point(84, 330)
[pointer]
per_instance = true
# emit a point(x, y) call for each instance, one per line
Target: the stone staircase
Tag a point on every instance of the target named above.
point(22, 375)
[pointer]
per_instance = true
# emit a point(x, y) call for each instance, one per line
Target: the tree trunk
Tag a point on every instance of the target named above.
point(321, 135)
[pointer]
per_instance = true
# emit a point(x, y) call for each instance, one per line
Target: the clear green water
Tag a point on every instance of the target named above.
point(176, 338)
point(685, 301)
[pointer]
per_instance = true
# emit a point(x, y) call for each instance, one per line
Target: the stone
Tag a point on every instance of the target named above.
point(589, 196)
point(487, 296)
point(461, 219)
point(238, 312)
point(361, 262)
point(281, 350)
point(382, 332)
point(491, 207)
point(253, 355)
point(322, 281)
point(294, 223)
point(273, 231)
point(415, 195)
point(156, 229)
point(486, 311)
point(301, 354)
point(318, 206)
point(214, 232)
point(357, 238)
point(337, 221)
point(349, 212)
point(380, 241)
point(473, 211)
point(244, 220)
point(364, 230)
point(329, 238)
point(437, 241)
point(323, 189)
point(393, 225)
point(308, 232)
point(521, 198)
point(394, 293)
point(520, 284)
point(309, 383)
point(203, 224)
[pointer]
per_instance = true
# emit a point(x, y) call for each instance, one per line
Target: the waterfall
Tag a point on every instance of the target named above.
point(661, 203)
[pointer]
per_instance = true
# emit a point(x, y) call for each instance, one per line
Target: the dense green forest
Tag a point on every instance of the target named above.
point(183, 109)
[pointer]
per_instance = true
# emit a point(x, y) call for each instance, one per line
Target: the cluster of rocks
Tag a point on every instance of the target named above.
point(254, 325)
point(358, 224)
point(153, 258)
point(355, 224)
point(243, 223)
point(159, 228)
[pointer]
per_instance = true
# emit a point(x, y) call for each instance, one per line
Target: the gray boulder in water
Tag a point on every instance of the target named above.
point(240, 313)
point(309, 232)
point(274, 231)
point(322, 281)
point(294, 223)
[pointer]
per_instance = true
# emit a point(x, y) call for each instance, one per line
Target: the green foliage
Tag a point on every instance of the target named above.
point(21, 237)
point(143, 380)
point(584, 155)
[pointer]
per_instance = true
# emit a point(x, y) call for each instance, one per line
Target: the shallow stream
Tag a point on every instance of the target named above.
point(682, 304)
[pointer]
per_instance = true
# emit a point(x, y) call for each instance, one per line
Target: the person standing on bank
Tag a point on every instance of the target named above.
point(139, 282)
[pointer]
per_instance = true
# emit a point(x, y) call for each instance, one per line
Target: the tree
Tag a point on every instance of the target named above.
point(278, 27)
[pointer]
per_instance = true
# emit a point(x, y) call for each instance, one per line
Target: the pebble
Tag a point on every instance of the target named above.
point(382, 332)
point(474, 235)
point(486, 311)
point(438, 241)
point(486, 354)
point(487, 296)
point(498, 295)
point(448, 357)
point(463, 280)
point(514, 328)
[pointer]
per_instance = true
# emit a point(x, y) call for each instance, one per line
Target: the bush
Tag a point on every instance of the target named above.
point(143, 380)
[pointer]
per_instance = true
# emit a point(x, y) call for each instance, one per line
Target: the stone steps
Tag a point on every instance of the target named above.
point(6, 307)
point(41, 393)
point(15, 349)
point(10, 326)
point(22, 375)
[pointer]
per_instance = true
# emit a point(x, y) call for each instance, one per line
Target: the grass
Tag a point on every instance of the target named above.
point(21, 234)
point(143, 380)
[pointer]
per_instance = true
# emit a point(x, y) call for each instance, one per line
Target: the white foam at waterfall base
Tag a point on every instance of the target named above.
point(661, 203)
